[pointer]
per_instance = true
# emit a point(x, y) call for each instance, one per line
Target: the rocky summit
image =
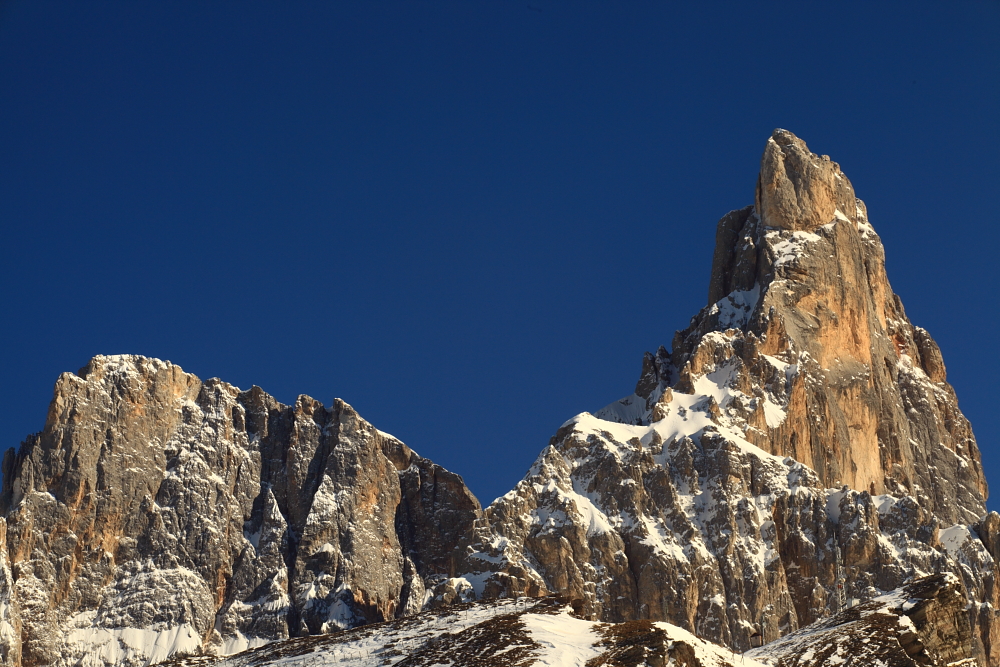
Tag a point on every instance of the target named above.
point(797, 450)
point(794, 458)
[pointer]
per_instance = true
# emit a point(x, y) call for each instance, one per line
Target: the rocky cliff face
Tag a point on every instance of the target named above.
point(868, 404)
point(800, 436)
point(157, 514)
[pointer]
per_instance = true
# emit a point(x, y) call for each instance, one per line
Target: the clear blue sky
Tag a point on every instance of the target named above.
point(467, 219)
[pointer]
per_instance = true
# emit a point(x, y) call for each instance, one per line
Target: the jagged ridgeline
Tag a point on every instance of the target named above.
point(798, 451)
point(157, 513)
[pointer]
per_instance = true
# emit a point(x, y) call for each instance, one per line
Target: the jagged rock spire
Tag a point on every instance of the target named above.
point(800, 413)
point(798, 189)
point(801, 276)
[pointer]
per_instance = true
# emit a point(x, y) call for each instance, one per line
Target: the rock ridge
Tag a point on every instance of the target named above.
point(159, 514)
point(922, 624)
point(919, 625)
point(799, 190)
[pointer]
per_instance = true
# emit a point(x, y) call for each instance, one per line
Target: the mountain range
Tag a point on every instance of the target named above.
point(794, 466)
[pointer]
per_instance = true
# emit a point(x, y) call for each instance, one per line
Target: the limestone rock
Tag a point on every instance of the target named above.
point(795, 456)
point(922, 624)
point(10, 621)
point(797, 189)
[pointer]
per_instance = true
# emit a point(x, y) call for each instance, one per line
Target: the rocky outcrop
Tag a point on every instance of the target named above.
point(496, 633)
point(866, 402)
point(10, 618)
point(798, 190)
point(923, 624)
point(158, 514)
point(799, 440)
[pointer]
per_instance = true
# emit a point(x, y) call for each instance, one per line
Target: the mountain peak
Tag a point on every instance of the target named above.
point(800, 277)
point(798, 189)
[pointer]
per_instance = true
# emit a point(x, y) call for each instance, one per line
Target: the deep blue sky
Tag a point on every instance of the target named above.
point(470, 219)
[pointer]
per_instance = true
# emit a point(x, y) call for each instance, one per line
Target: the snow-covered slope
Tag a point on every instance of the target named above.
point(504, 633)
point(922, 624)
point(684, 520)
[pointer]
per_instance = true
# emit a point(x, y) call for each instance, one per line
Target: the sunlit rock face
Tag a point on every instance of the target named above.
point(866, 402)
point(800, 426)
point(158, 514)
point(798, 190)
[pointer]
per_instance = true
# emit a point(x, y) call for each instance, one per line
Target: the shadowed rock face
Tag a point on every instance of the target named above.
point(197, 515)
point(800, 431)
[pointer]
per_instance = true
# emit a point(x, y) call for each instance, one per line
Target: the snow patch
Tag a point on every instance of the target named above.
point(240, 643)
point(565, 641)
point(734, 309)
point(884, 503)
point(789, 246)
point(833, 499)
point(117, 645)
point(953, 538)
